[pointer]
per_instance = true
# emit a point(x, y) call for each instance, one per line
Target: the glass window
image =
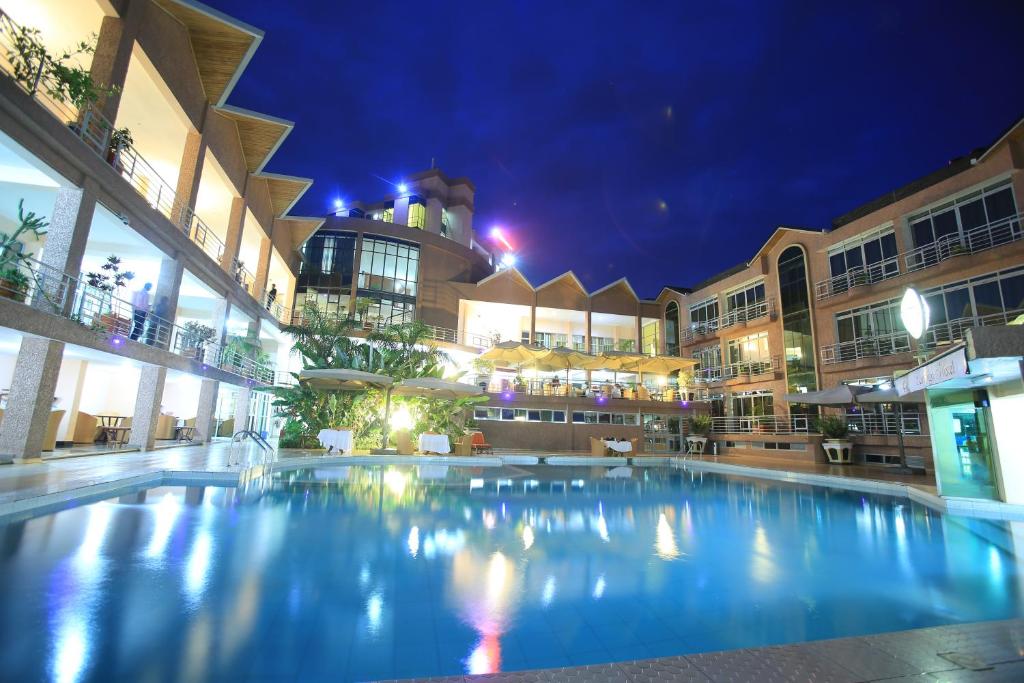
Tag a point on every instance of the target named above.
point(388, 266)
point(970, 212)
point(417, 215)
point(987, 299)
point(1000, 205)
point(958, 304)
point(1013, 292)
point(797, 336)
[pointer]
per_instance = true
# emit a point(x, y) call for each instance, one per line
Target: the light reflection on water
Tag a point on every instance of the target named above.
point(379, 573)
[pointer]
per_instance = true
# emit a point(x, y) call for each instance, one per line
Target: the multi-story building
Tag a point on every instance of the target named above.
point(162, 175)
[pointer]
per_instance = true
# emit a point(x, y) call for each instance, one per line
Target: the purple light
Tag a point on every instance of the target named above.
point(601, 400)
point(116, 341)
point(507, 395)
point(685, 404)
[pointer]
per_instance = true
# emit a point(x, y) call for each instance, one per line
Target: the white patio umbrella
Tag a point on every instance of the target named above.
point(434, 387)
point(842, 395)
point(344, 380)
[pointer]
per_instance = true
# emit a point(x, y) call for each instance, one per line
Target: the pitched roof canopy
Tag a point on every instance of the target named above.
point(284, 190)
point(260, 134)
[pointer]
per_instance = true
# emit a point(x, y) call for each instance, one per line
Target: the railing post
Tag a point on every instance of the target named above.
point(39, 76)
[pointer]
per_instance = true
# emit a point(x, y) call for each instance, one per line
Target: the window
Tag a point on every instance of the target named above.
point(704, 316)
point(601, 344)
point(873, 255)
point(873, 320)
point(578, 343)
point(327, 257)
point(519, 414)
point(797, 336)
point(551, 340)
point(417, 215)
point(749, 355)
point(445, 229)
point(672, 328)
point(649, 336)
point(954, 220)
point(750, 295)
point(599, 417)
point(752, 403)
point(710, 363)
point(327, 261)
point(389, 266)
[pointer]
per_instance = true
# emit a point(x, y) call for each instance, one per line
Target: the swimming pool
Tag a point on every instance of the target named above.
point(354, 573)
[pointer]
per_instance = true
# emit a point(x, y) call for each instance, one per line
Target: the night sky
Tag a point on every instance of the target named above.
point(663, 142)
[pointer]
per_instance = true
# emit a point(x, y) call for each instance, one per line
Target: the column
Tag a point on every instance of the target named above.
point(64, 248)
point(25, 422)
point(639, 331)
point(189, 174)
point(434, 212)
point(401, 216)
point(147, 407)
point(262, 272)
point(242, 408)
point(206, 409)
point(165, 303)
point(76, 398)
point(113, 54)
point(533, 320)
point(233, 241)
point(358, 257)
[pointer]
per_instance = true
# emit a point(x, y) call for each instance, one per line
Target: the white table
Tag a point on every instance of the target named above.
point(619, 446)
point(336, 439)
point(434, 443)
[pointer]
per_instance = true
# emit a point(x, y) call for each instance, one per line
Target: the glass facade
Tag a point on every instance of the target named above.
point(672, 328)
point(748, 296)
point(752, 403)
point(327, 260)
point(797, 336)
point(962, 443)
point(704, 316)
point(649, 338)
point(953, 219)
point(417, 214)
point(875, 252)
point(750, 354)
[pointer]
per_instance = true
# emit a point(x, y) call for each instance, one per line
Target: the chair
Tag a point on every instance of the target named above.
point(87, 429)
point(638, 445)
point(227, 427)
point(403, 441)
point(50, 441)
point(480, 444)
point(464, 445)
point(597, 447)
point(165, 427)
point(642, 393)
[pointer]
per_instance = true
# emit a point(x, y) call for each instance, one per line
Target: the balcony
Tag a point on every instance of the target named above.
point(601, 392)
point(737, 316)
point(885, 424)
point(51, 291)
point(95, 131)
point(982, 238)
point(707, 375)
point(752, 369)
point(762, 424)
point(865, 347)
point(857, 277)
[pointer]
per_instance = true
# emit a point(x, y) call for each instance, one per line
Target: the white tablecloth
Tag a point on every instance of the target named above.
point(619, 446)
point(434, 443)
point(340, 440)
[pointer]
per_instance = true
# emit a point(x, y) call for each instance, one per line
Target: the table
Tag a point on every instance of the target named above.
point(434, 443)
point(183, 433)
point(110, 420)
point(619, 446)
point(116, 435)
point(336, 438)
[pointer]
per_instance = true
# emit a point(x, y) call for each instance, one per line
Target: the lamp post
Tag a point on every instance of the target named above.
point(914, 315)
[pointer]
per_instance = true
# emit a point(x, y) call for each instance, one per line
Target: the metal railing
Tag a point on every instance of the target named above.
point(857, 277)
point(698, 330)
point(890, 344)
point(883, 423)
point(245, 278)
point(707, 375)
point(593, 391)
point(748, 313)
point(201, 235)
point(751, 368)
point(865, 347)
point(46, 289)
point(988, 236)
point(762, 424)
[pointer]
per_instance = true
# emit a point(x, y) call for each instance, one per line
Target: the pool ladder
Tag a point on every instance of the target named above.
point(266, 450)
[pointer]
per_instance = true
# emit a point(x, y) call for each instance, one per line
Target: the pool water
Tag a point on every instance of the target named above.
point(353, 573)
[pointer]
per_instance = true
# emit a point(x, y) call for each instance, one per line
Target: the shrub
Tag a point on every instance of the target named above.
point(832, 427)
point(700, 425)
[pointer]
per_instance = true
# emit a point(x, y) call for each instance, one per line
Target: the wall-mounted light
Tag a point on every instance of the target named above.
point(402, 188)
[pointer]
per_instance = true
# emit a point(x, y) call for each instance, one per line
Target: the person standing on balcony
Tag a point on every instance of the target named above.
point(271, 296)
point(161, 316)
point(140, 308)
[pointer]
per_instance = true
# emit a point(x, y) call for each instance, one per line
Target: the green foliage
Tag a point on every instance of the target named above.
point(195, 334)
point(59, 75)
point(482, 366)
point(11, 246)
point(121, 138)
point(832, 427)
point(700, 425)
point(111, 278)
point(324, 341)
point(625, 345)
point(406, 351)
point(446, 417)
point(247, 347)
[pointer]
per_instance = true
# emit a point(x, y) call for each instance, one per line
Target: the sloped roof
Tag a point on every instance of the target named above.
point(620, 282)
point(260, 134)
point(571, 276)
point(284, 190)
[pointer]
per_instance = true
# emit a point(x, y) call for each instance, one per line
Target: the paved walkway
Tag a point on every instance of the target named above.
point(989, 651)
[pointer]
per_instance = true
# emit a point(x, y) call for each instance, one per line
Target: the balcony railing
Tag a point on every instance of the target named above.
point(988, 236)
point(94, 129)
point(752, 368)
point(707, 375)
point(956, 330)
point(595, 391)
point(736, 316)
point(857, 277)
point(762, 424)
point(865, 347)
point(57, 293)
point(883, 423)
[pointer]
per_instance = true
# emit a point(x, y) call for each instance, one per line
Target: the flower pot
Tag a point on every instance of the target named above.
point(12, 290)
point(838, 452)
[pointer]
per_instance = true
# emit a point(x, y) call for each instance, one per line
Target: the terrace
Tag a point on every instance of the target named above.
point(735, 317)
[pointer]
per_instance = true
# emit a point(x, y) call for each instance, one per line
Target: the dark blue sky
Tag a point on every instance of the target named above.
point(660, 141)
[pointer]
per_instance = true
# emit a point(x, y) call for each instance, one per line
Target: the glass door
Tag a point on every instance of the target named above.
point(962, 445)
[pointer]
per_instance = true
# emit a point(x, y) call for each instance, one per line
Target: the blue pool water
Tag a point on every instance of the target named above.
point(365, 573)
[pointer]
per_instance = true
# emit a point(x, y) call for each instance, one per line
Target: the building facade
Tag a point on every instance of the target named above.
point(160, 178)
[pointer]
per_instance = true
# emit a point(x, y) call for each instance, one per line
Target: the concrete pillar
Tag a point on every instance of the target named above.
point(233, 241)
point(189, 174)
point(355, 276)
point(113, 54)
point(76, 398)
point(221, 311)
point(206, 409)
point(25, 421)
point(242, 408)
point(401, 216)
point(460, 224)
point(262, 273)
point(434, 212)
point(533, 319)
point(147, 407)
point(64, 247)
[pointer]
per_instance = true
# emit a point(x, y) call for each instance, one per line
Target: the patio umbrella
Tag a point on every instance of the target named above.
point(513, 353)
point(564, 358)
point(433, 387)
point(890, 396)
point(659, 365)
point(842, 395)
point(344, 380)
point(615, 361)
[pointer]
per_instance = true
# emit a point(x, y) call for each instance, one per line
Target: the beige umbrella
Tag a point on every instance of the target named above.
point(513, 353)
point(660, 365)
point(564, 358)
point(344, 380)
point(616, 361)
point(433, 387)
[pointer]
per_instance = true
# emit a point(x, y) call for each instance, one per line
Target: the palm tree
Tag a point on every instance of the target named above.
point(326, 341)
point(405, 351)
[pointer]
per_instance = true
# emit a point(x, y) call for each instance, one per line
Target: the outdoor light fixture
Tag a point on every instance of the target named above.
point(498, 234)
point(401, 419)
point(507, 395)
point(508, 259)
point(403, 188)
point(601, 400)
point(914, 313)
point(339, 205)
point(116, 341)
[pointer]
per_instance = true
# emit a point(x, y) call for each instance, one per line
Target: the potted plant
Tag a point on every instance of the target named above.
point(483, 369)
point(193, 338)
point(697, 439)
point(15, 266)
point(120, 140)
point(108, 281)
point(519, 384)
point(362, 312)
point(13, 284)
point(834, 430)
